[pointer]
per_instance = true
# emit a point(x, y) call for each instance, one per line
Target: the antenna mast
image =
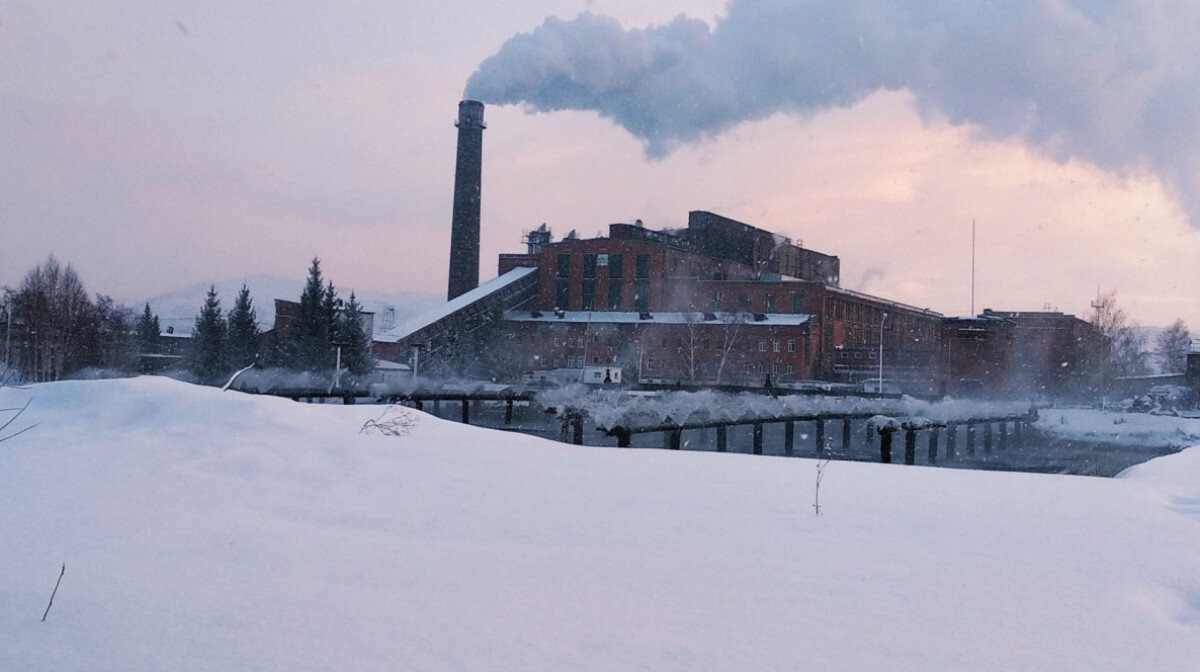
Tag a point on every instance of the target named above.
point(972, 267)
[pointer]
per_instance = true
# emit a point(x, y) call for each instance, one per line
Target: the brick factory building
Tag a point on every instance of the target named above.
point(718, 302)
point(1006, 354)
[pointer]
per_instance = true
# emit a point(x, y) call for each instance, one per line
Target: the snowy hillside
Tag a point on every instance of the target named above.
point(178, 308)
point(204, 530)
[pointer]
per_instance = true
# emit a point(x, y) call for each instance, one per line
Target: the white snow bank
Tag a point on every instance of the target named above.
point(1132, 429)
point(220, 531)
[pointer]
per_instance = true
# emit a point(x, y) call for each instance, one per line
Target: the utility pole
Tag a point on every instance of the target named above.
point(972, 267)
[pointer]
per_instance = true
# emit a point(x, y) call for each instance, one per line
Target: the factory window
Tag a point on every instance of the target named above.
point(716, 302)
point(562, 292)
point(641, 295)
point(791, 369)
point(614, 294)
point(589, 266)
point(642, 266)
point(663, 343)
point(774, 346)
point(791, 346)
point(762, 346)
point(776, 368)
point(615, 271)
point(587, 300)
point(769, 303)
point(564, 266)
point(743, 302)
point(762, 368)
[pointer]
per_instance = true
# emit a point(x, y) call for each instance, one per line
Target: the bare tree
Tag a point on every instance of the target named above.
point(1127, 356)
point(731, 331)
point(1172, 347)
point(56, 314)
point(7, 431)
point(690, 350)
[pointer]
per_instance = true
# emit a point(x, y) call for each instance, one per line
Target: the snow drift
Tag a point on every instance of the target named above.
point(209, 530)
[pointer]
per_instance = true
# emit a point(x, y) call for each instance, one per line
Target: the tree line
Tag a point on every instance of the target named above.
point(53, 329)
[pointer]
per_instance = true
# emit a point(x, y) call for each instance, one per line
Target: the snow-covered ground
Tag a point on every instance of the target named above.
point(218, 531)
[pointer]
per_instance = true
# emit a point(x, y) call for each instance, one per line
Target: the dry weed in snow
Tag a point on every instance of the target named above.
point(394, 421)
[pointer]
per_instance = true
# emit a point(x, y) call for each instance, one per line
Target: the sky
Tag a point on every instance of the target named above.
point(154, 145)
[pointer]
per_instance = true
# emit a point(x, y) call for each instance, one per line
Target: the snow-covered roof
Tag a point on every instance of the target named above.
point(419, 322)
point(603, 317)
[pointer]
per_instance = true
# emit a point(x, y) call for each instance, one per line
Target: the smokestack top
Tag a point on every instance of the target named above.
point(470, 114)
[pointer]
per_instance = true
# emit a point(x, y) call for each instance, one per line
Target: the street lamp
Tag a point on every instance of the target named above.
point(882, 319)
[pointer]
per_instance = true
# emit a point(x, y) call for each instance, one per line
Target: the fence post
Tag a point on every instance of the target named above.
point(933, 445)
point(789, 437)
point(466, 412)
point(577, 426)
point(910, 445)
point(722, 438)
point(1004, 435)
point(885, 445)
point(819, 441)
point(987, 437)
point(845, 435)
point(622, 437)
point(676, 438)
point(508, 412)
point(951, 440)
point(758, 431)
point(970, 439)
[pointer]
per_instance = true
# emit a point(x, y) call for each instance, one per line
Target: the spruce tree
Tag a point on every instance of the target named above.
point(208, 341)
point(241, 346)
point(307, 346)
point(147, 331)
point(354, 339)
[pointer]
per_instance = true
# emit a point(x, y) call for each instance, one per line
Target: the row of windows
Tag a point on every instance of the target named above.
point(571, 361)
point(613, 298)
point(770, 305)
point(702, 367)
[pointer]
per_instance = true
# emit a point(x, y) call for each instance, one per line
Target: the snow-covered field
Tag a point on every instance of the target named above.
point(217, 531)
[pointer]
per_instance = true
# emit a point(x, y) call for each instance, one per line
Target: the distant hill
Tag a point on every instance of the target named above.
point(178, 308)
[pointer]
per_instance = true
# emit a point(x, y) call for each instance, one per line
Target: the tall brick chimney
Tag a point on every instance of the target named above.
point(464, 227)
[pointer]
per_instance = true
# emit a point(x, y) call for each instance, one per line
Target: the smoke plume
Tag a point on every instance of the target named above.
point(1113, 82)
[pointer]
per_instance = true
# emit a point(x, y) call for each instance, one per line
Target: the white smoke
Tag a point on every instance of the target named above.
point(1116, 83)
